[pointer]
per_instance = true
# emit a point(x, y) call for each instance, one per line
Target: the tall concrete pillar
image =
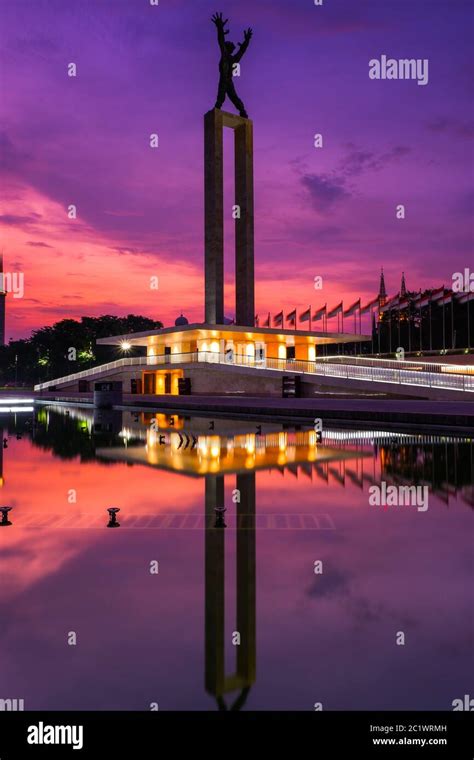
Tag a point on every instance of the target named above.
point(217, 682)
point(214, 217)
point(214, 123)
point(244, 252)
point(246, 578)
point(215, 587)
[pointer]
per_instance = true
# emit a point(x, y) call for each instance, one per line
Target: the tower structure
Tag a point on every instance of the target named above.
point(382, 290)
point(403, 287)
point(214, 123)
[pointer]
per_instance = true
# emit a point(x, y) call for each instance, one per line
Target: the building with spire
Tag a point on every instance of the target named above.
point(382, 290)
point(403, 287)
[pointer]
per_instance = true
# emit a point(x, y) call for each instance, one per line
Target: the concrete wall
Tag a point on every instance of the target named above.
point(228, 382)
point(124, 375)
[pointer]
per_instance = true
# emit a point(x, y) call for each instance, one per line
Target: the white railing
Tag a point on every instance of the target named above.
point(401, 374)
point(418, 366)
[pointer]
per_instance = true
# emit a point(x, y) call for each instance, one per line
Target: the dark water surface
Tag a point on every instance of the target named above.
point(166, 637)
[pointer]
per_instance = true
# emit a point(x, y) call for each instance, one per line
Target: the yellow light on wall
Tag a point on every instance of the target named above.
point(282, 441)
point(203, 448)
point(250, 350)
point(281, 351)
point(311, 353)
point(151, 438)
point(215, 447)
point(250, 443)
point(215, 346)
point(174, 384)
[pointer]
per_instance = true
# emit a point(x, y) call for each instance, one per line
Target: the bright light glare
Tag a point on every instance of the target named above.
point(17, 409)
point(16, 401)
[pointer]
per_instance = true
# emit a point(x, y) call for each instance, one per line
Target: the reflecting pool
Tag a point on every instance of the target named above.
point(249, 568)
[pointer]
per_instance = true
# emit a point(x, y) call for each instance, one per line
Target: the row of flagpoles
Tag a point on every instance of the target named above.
point(323, 313)
point(441, 296)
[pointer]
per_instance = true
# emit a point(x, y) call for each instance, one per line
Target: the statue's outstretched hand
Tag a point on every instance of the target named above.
point(248, 34)
point(218, 20)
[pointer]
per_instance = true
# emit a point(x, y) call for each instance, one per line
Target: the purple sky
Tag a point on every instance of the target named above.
point(328, 212)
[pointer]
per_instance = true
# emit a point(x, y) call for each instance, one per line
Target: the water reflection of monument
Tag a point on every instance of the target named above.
point(217, 682)
point(191, 446)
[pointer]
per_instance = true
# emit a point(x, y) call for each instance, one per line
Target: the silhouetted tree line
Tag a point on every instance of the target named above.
point(44, 355)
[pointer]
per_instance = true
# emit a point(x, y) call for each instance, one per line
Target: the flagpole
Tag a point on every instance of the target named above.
point(390, 336)
point(431, 332)
point(379, 326)
point(310, 308)
point(452, 320)
point(468, 325)
point(444, 324)
point(421, 327)
point(399, 326)
point(372, 329)
point(342, 327)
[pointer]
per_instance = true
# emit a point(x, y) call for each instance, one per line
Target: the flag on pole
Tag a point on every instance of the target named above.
point(337, 310)
point(369, 306)
point(393, 303)
point(267, 322)
point(437, 294)
point(278, 319)
point(465, 297)
point(306, 315)
point(319, 313)
point(423, 300)
point(352, 309)
point(291, 317)
point(447, 298)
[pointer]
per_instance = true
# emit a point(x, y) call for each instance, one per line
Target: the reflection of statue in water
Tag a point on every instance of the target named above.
point(227, 62)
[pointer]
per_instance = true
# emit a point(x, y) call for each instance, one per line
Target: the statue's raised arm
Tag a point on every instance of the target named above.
point(221, 32)
point(244, 45)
